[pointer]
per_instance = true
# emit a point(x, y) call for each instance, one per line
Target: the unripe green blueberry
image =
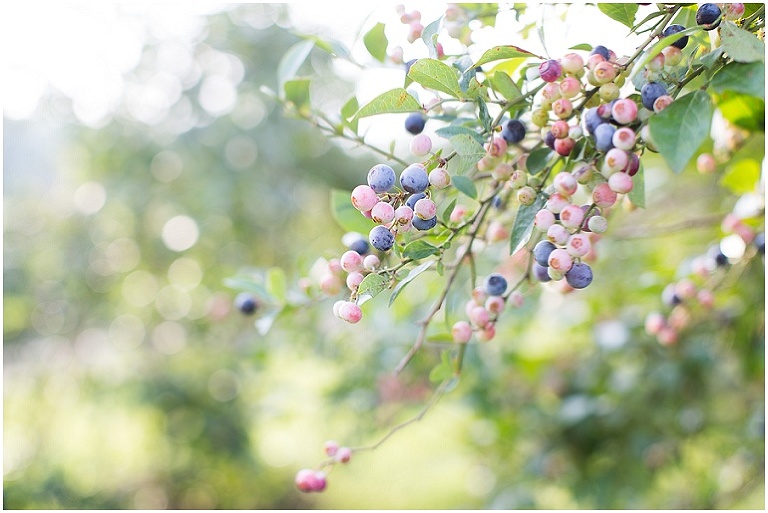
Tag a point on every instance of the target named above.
point(526, 195)
point(583, 173)
point(554, 274)
point(420, 145)
point(382, 212)
point(575, 132)
point(439, 178)
point(672, 56)
point(540, 118)
point(645, 135)
point(597, 224)
point(461, 332)
point(571, 216)
point(518, 179)
point(603, 196)
point(608, 92)
point(534, 181)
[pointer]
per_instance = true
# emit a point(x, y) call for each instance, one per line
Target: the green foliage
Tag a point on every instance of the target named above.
point(741, 45)
point(376, 42)
point(393, 101)
point(436, 75)
point(623, 13)
point(523, 225)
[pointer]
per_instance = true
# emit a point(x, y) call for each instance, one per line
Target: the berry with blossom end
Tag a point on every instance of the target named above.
point(330, 447)
point(609, 92)
point(487, 332)
point(565, 183)
point(603, 196)
point(558, 234)
point(560, 260)
point(382, 212)
point(563, 108)
point(654, 323)
point(425, 208)
point(579, 276)
point(734, 11)
point(351, 261)
point(571, 216)
point(624, 139)
point(550, 70)
point(381, 238)
point(350, 312)
point(578, 245)
point(557, 202)
point(461, 332)
point(439, 178)
point(573, 64)
point(541, 252)
point(560, 129)
point(540, 117)
point(615, 161)
point(569, 87)
point(543, 220)
point(526, 195)
point(420, 145)
point(604, 72)
point(403, 215)
point(497, 147)
point(364, 198)
point(672, 56)
point(424, 224)
point(354, 280)
point(343, 455)
point(624, 111)
point(381, 178)
point(495, 304)
point(620, 183)
point(662, 102)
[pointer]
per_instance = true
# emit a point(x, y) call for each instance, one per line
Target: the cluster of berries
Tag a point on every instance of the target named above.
point(486, 304)
point(309, 480)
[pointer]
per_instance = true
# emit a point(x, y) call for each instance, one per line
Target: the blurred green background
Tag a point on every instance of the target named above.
point(129, 382)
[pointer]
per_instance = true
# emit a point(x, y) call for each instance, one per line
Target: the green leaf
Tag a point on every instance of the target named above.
point(249, 283)
point(292, 60)
point(393, 101)
point(741, 78)
point(505, 86)
point(523, 225)
point(743, 111)
point(429, 36)
point(347, 111)
point(537, 160)
point(446, 215)
point(742, 176)
point(419, 249)
point(504, 52)
point(485, 116)
point(277, 284)
point(637, 194)
point(645, 20)
point(375, 41)
point(370, 287)
point(623, 13)
point(583, 46)
point(436, 75)
point(443, 370)
point(297, 92)
point(264, 323)
point(679, 130)
point(465, 185)
point(447, 132)
point(469, 151)
point(415, 272)
point(709, 59)
point(347, 216)
point(741, 45)
point(330, 46)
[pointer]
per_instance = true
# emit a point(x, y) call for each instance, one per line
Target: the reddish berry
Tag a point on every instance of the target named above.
point(550, 70)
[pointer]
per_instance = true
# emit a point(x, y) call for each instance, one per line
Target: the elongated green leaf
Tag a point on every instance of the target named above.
point(742, 176)
point(741, 45)
point(446, 215)
point(505, 86)
point(658, 47)
point(465, 185)
point(498, 53)
point(347, 216)
point(277, 284)
point(419, 249)
point(469, 151)
point(292, 60)
point(443, 370)
point(583, 46)
point(412, 275)
point(429, 36)
point(393, 101)
point(623, 13)
point(375, 41)
point(679, 130)
point(436, 75)
point(537, 160)
point(297, 92)
point(370, 287)
point(637, 194)
point(523, 225)
point(447, 132)
point(741, 78)
point(347, 111)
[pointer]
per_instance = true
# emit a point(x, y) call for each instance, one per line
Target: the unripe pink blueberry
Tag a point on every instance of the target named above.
point(334, 266)
point(594, 60)
point(396, 55)
point(570, 87)
point(403, 214)
point(496, 232)
point(486, 163)
point(472, 303)
point(458, 213)
point(560, 129)
point(597, 224)
point(479, 316)
point(364, 198)
point(706, 164)
point(624, 111)
point(624, 138)
point(371, 262)
point(350, 312)
point(563, 108)
point(382, 212)
point(734, 11)
point(604, 72)
point(543, 220)
point(654, 322)
point(667, 336)
point(685, 289)
point(549, 93)
point(571, 216)
point(565, 183)
point(557, 202)
point(603, 196)
point(516, 299)
point(706, 298)
point(497, 147)
point(461, 332)
point(578, 245)
point(620, 183)
point(526, 195)
point(495, 304)
point(351, 261)
point(343, 455)
point(502, 172)
point(656, 64)
point(560, 260)
point(672, 56)
point(330, 447)
point(679, 318)
point(414, 31)
point(305, 480)
point(615, 160)
point(354, 279)
point(572, 63)
point(479, 295)
point(425, 208)
point(558, 234)
point(565, 146)
point(330, 284)
point(439, 178)
point(662, 102)
point(487, 332)
point(421, 145)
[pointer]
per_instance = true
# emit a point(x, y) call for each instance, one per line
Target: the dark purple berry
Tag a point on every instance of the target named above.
point(708, 16)
point(549, 139)
point(633, 166)
point(513, 131)
point(414, 179)
point(601, 50)
point(541, 252)
point(415, 122)
point(650, 92)
point(674, 29)
point(424, 224)
point(550, 70)
point(579, 275)
point(246, 303)
point(540, 272)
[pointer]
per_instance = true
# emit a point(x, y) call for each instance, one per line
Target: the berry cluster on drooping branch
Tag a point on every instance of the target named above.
point(537, 158)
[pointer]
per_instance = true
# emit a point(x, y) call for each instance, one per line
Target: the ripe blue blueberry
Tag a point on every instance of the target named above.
point(549, 139)
point(674, 29)
point(604, 137)
point(414, 179)
point(760, 242)
point(579, 275)
point(541, 252)
point(381, 238)
point(650, 92)
point(495, 284)
point(720, 259)
point(708, 16)
point(415, 122)
point(601, 50)
point(359, 246)
point(413, 198)
point(408, 65)
point(381, 178)
point(246, 303)
point(592, 120)
point(513, 131)
point(541, 273)
point(424, 224)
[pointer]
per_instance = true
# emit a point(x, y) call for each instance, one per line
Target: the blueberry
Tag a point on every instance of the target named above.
point(708, 16)
point(579, 275)
point(513, 131)
point(381, 178)
point(715, 254)
point(359, 246)
point(650, 92)
point(604, 137)
point(414, 178)
point(381, 238)
point(408, 65)
point(495, 284)
point(669, 297)
point(415, 122)
point(550, 70)
point(497, 202)
point(549, 139)
point(674, 29)
point(541, 273)
point(413, 198)
point(541, 252)
point(246, 303)
point(424, 224)
point(601, 50)
point(760, 242)
point(592, 120)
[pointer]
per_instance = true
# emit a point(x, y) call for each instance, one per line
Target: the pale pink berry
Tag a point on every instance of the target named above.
point(305, 480)
point(403, 214)
point(486, 163)
point(343, 455)
point(565, 183)
point(330, 284)
point(461, 332)
point(371, 262)
point(615, 161)
point(672, 56)
point(706, 298)
point(458, 213)
point(565, 146)
point(518, 179)
point(578, 245)
point(679, 318)
point(557, 202)
point(479, 316)
point(439, 178)
point(487, 332)
point(620, 183)
point(414, 32)
point(479, 295)
point(330, 447)
point(624, 138)
point(496, 232)
point(364, 198)
point(558, 234)
point(603, 196)
point(351, 261)
point(354, 279)
point(560, 129)
point(597, 224)
point(662, 102)
point(516, 299)
point(572, 64)
point(425, 208)
point(497, 148)
point(336, 307)
point(543, 220)
point(685, 289)
point(563, 108)
point(397, 55)
point(654, 322)
point(560, 260)
point(570, 87)
point(334, 266)
point(656, 64)
point(705, 163)
point(350, 312)
point(495, 304)
point(382, 212)
point(469, 305)
point(571, 216)
point(421, 145)
point(502, 172)
point(551, 92)
point(604, 72)
point(624, 111)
